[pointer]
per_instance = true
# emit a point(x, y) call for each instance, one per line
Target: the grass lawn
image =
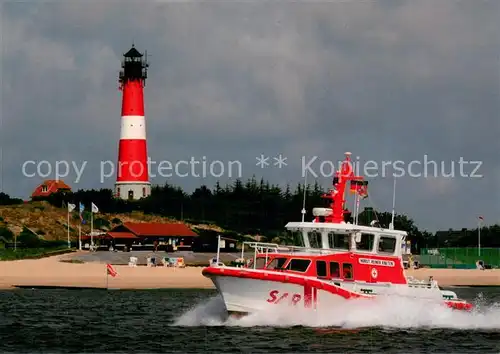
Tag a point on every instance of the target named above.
point(9, 254)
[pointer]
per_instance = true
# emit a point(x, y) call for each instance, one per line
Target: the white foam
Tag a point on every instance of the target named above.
point(381, 312)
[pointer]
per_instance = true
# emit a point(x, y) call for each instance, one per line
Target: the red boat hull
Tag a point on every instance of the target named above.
point(245, 290)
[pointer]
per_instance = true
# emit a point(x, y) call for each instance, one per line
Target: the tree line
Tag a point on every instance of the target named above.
point(5, 199)
point(253, 207)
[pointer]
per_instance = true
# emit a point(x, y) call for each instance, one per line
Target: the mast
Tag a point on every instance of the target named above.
point(337, 193)
point(303, 211)
point(391, 226)
point(356, 210)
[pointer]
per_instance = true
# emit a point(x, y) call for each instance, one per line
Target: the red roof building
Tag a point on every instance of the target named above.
point(49, 187)
point(147, 234)
point(156, 229)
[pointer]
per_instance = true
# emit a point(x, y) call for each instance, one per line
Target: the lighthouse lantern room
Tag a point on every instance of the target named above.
point(132, 180)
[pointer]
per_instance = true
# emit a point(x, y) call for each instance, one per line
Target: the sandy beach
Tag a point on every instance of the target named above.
point(52, 272)
point(458, 277)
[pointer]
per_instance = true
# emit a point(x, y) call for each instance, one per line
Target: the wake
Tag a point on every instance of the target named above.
point(381, 312)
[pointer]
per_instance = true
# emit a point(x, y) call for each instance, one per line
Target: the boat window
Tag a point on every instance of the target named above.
point(321, 268)
point(299, 265)
point(314, 239)
point(334, 270)
point(295, 238)
point(338, 240)
point(277, 263)
point(347, 271)
point(366, 243)
point(387, 244)
point(260, 264)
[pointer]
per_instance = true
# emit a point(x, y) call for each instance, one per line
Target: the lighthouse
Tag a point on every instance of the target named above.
point(132, 180)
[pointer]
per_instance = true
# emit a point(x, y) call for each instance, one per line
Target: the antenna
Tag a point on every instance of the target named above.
point(391, 226)
point(303, 211)
point(355, 208)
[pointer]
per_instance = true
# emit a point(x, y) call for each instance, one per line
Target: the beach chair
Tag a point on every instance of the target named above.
point(239, 262)
point(172, 262)
point(132, 262)
point(180, 262)
point(165, 261)
point(151, 262)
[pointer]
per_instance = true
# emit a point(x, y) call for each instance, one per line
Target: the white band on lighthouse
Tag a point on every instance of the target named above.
point(133, 127)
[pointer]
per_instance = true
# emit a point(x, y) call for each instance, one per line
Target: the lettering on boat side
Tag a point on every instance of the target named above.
point(367, 291)
point(275, 297)
point(379, 262)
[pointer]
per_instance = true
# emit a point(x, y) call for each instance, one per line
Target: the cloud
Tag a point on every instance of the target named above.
point(385, 80)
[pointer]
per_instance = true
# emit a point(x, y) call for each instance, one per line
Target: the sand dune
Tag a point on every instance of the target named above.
point(51, 272)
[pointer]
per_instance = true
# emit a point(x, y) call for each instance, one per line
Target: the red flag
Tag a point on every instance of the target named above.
point(363, 192)
point(111, 271)
point(360, 187)
point(354, 187)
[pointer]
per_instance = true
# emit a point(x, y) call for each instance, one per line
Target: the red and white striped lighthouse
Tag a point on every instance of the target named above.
point(132, 180)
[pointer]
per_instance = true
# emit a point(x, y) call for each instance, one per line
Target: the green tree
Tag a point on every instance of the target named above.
point(5, 199)
point(6, 233)
point(29, 239)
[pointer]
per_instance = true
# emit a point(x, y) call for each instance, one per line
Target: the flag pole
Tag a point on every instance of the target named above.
point(92, 227)
point(356, 208)
point(303, 211)
point(479, 237)
point(218, 249)
point(80, 236)
point(69, 244)
point(393, 203)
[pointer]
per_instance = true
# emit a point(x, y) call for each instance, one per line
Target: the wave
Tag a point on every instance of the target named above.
point(393, 312)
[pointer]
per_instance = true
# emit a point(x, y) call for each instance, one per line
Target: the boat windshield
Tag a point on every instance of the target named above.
point(338, 240)
point(294, 238)
point(314, 239)
point(366, 242)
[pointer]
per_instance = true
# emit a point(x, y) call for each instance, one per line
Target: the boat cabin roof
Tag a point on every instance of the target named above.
point(341, 228)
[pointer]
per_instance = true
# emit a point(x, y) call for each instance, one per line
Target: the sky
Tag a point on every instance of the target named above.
point(228, 81)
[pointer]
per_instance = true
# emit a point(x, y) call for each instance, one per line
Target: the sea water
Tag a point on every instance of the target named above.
point(187, 321)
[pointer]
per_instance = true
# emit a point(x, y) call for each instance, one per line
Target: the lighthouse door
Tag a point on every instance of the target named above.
point(130, 194)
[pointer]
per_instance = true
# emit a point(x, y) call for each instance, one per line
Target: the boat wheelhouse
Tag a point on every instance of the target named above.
point(366, 254)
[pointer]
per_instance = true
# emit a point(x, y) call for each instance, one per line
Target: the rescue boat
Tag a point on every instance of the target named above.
point(336, 260)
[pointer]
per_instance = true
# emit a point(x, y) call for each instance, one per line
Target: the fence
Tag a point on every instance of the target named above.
point(459, 257)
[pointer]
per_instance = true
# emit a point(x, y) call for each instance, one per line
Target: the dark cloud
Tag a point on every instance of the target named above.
point(229, 81)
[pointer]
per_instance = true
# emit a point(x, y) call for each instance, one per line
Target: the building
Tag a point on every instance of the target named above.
point(207, 242)
point(49, 187)
point(226, 245)
point(139, 236)
point(132, 179)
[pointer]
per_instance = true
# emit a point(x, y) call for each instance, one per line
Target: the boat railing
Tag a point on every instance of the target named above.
point(262, 247)
point(416, 283)
point(274, 248)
